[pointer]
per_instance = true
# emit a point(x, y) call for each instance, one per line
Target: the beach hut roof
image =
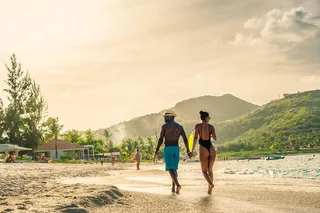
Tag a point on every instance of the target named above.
point(12, 147)
point(61, 145)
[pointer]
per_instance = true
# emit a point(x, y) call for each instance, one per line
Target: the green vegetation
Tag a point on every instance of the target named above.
point(22, 121)
point(127, 146)
point(291, 123)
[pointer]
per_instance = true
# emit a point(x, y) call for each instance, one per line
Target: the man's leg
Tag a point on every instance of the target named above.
point(173, 189)
point(174, 177)
point(170, 166)
point(176, 165)
point(173, 184)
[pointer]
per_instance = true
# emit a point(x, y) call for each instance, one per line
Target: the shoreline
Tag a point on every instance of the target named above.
point(250, 156)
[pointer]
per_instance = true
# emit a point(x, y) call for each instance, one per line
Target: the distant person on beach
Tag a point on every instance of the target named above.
point(171, 132)
point(137, 157)
point(113, 158)
point(204, 132)
point(11, 158)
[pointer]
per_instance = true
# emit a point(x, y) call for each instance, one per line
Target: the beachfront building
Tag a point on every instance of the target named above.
point(63, 148)
point(88, 147)
point(6, 148)
point(107, 157)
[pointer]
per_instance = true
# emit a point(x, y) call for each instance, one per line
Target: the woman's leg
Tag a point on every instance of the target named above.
point(138, 164)
point(212, 158)
point(204, 160)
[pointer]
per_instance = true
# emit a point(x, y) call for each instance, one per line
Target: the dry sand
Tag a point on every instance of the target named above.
point(90, 188)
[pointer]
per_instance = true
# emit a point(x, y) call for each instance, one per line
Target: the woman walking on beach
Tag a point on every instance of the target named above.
point(204, 132)
point(113, 159)
point(137, 157)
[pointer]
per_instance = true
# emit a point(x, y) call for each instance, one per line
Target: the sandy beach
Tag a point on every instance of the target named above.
point(30, 187)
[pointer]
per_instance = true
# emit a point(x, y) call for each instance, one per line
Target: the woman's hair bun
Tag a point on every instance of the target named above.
point(200, 112)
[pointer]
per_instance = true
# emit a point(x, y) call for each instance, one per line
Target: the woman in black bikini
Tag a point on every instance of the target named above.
point(204, 132)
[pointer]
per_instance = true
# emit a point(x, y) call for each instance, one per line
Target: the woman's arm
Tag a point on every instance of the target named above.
point(213, 133)
point(195, 139)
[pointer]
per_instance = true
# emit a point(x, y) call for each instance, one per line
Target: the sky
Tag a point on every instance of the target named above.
point(102, 62)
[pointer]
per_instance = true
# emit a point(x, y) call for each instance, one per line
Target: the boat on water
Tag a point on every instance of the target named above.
point(275, 158)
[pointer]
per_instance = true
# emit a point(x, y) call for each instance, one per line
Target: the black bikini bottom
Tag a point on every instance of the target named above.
point(206, 144)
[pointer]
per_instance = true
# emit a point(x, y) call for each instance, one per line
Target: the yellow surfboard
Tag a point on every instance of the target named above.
point(190, 141)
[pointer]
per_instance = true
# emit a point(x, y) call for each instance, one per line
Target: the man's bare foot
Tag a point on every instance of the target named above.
point(173, 189)
point(210, 189)
point(178, 189)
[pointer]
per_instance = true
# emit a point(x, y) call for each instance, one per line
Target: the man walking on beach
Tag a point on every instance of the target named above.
point(171, 132)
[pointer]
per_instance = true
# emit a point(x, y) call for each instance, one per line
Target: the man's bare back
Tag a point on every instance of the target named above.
point(171, 132)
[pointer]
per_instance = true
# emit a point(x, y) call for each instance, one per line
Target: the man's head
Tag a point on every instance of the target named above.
point(138, 149)
point(169, 116)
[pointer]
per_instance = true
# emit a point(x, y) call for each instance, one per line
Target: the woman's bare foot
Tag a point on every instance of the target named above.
point(210, 189)
point(178, 189)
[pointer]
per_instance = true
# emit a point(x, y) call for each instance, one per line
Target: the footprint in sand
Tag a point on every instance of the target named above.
point(74, 210)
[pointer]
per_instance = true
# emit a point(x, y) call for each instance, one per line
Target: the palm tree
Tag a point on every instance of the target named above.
point(107, 134)
point(54, 129)
point(108, 143)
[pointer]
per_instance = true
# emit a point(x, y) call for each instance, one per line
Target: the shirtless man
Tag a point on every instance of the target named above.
point(171, 132)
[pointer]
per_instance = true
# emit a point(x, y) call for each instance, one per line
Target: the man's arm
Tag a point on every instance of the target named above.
point(183, 134)
point(160, 141)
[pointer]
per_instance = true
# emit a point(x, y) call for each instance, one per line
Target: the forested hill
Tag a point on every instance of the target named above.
point(293, 120)
point(221, 108)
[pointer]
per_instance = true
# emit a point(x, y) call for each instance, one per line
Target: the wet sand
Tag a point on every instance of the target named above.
point(88, 188)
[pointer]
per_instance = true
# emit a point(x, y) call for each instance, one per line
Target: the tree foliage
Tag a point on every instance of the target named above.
point(22, 120)
point(2, 114)
point(52, 128)
point(290, 123)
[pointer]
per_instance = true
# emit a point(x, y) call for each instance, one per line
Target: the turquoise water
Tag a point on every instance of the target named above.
point(298, 167)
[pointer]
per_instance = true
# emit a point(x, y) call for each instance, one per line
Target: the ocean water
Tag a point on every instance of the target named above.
point(297, 167)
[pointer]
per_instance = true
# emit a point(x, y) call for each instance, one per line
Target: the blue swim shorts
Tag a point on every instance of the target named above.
point(171, 157)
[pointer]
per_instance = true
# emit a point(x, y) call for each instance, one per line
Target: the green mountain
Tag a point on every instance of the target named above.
point(221, 108)
point(291, 121)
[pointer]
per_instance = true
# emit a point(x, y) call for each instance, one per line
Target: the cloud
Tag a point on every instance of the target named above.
point(310, 79)
point(295, 32)
point(293, 26)
point(254, 23)
point(241, 39)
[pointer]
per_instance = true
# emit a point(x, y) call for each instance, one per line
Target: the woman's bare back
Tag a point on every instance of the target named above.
point(205, 131)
